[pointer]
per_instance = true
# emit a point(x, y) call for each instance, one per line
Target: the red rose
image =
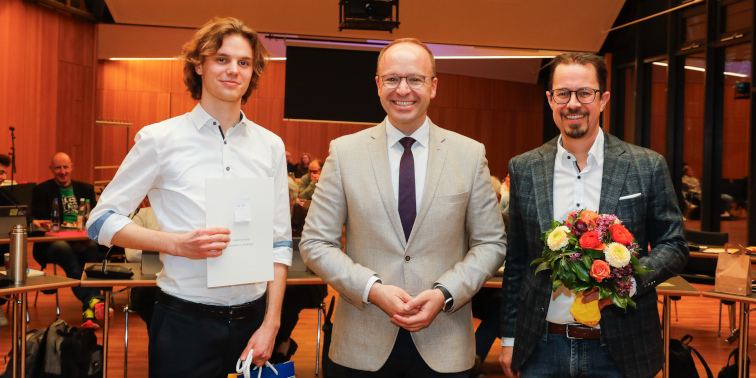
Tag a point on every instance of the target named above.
point(600, 270)
point(620, 234)
point(590, 240)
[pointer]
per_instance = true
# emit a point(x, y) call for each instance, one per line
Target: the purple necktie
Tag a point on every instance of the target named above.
point(407, 207)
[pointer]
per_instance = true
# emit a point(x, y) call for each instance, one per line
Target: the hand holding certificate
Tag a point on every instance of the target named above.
point(244, 206)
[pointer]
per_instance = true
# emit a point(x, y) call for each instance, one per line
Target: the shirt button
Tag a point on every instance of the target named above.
point(568, 157)
point(406, 258)
point(228, 168)
point(578, 177)
point(225, 142)
point(578, 205)
point(215, 123)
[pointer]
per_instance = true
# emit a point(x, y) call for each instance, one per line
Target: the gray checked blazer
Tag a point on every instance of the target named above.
point(457, 240)
point(633, 337)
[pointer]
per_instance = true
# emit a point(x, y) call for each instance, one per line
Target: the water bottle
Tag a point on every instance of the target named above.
point(17, 268)
point(86, 214)
point(80, 215)
point(55, 216)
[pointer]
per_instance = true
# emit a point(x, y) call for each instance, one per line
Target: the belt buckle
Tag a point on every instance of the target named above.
point(567, 333)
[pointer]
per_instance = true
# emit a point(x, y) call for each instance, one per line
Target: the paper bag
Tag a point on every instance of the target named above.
point(733, 274)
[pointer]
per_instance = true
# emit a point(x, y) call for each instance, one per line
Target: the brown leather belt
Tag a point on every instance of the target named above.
point(575, 331)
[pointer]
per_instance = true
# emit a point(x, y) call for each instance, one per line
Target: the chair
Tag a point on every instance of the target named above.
point(703, 270)
point(57, 298)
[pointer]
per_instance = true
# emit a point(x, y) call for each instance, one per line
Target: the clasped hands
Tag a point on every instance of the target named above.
point(412, 314)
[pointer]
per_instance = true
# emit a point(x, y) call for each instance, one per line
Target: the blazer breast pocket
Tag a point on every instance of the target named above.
point(451, 198)
point(630, 196)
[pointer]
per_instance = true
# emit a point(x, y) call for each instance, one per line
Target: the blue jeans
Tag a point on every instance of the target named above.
point(71, 256)
point(558, 356)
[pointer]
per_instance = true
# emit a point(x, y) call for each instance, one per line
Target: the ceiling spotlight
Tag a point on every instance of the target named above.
point(369, 14)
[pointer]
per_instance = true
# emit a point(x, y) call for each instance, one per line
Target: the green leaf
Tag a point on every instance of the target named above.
point(619, 301)
point(543, 266)
point(581, 287)
point(587, 262)
point(630, 302)
point(581, 271)
point(537, 261)
point(555, 285)
point(604, 292)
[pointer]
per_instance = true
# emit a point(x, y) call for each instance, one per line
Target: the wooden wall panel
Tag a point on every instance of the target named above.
point(506, 117)
point(46, 54)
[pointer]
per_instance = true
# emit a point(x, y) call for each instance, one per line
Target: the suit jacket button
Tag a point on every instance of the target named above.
point(406, 258)
point(542, 310)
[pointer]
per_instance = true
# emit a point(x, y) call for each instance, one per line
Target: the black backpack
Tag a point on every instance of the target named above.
point(731, 370)
point(681, 363)
point(61, 351)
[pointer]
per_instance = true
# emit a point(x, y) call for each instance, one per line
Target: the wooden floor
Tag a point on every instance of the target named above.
point(697, 316)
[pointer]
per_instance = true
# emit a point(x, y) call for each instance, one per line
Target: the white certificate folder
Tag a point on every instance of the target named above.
point(245, 206)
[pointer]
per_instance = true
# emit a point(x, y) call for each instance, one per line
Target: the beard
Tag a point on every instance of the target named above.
point(577, 130)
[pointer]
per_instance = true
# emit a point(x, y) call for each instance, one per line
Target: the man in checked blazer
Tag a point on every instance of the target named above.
point(585, 168)
point(404, 262)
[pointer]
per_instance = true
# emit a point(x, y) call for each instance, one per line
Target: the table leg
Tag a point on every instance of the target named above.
point(106, 326)
point(666, 323)
point(14, 335)
point(743, 341)
point(22, 353)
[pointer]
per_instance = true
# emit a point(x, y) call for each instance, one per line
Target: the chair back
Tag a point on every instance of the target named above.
point(701, 269)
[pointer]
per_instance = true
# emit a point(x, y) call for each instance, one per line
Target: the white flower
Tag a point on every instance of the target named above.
point(617, 255)
point(558, 238)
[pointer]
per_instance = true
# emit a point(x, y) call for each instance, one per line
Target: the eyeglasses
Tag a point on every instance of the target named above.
point(583, 95)
point(413, 81)
point(314, 172)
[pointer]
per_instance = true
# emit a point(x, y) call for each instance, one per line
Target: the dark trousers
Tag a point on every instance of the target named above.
point(143, 303)
point(187, 345)
point(71, 256)
point(486, 306)
point(404, 361)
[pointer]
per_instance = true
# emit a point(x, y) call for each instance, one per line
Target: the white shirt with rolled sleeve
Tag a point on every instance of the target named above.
point(171, 161)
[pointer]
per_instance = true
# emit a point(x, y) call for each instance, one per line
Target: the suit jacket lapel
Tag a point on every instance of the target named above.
point(436, 158)
point(543, 184)
point(613, 177)
point(379, 161)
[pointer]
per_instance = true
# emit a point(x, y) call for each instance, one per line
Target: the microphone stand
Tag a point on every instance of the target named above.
point(13, 158)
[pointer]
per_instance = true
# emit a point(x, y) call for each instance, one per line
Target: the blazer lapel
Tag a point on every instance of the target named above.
point(613, 177)
point(543, 184)
point(436, 158)
point(379, 161)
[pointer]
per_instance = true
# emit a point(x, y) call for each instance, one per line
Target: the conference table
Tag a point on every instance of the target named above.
point(139, 279)
point(18, 305)
point(745, 302)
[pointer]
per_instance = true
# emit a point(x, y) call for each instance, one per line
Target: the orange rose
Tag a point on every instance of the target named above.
point(600, 270)
point(590, 240)
point(620, 234)
point(590, 218)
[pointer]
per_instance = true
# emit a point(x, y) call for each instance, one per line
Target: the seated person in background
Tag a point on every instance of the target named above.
point(296, 298)
point(290, 167)
point(308, 181)
point(691, 189)
point(304, 163)
point(71, 256)
point(142, 298)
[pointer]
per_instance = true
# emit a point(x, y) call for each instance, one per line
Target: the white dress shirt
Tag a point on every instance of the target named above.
point(171, 161)
point(420, 156)
point(574, 190)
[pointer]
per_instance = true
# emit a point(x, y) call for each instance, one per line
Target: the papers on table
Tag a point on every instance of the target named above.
point(244, 206)
point(29, 272)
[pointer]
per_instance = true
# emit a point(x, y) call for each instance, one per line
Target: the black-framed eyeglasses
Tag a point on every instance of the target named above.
point(583, 95)
point(413, 81)
point(314, 172)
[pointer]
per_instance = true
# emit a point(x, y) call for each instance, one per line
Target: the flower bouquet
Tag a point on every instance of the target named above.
point(588, 251)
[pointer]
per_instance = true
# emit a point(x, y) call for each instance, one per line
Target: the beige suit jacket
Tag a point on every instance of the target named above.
point(457, 240)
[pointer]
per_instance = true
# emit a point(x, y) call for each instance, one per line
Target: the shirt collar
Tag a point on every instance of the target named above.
point(200, 118)
point(596, 151)
point(421, 135)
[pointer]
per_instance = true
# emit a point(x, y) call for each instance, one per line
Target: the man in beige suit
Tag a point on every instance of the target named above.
point(423, 232)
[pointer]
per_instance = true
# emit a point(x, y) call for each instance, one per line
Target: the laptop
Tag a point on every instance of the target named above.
point(11, 216)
